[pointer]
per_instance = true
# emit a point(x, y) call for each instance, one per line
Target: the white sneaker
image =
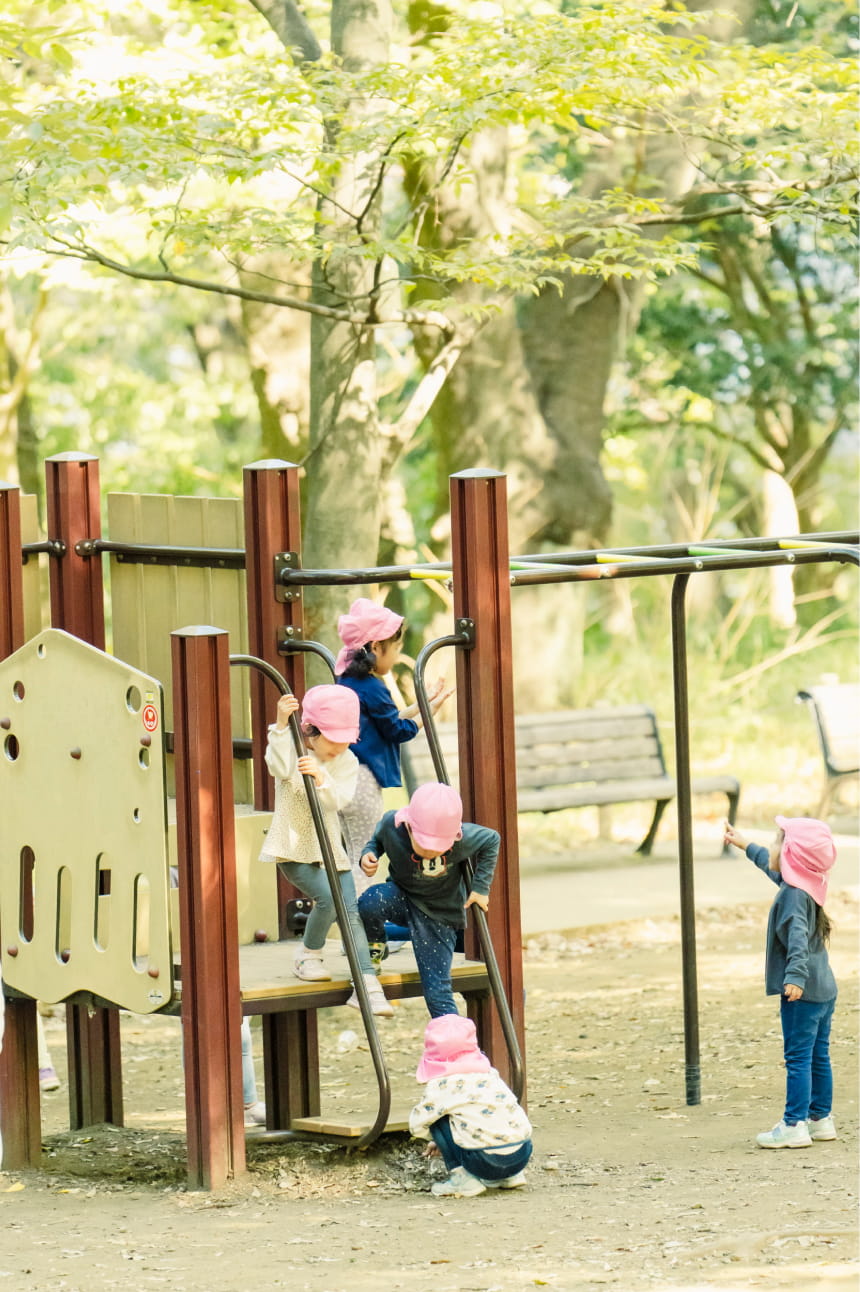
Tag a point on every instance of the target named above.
point(822, 1128)
point(309, 966)
point(255, 1114)
point(512, 1182)
point(785, 1136)
point(460, 1184)
point(379, 1005)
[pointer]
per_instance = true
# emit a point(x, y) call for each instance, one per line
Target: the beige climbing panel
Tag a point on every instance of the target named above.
point(83, 835)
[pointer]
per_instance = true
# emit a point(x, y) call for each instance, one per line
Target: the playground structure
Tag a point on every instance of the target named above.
point(193, 576)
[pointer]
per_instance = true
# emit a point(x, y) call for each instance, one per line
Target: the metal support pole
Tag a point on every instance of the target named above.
point(485, 704)
point(77, 606)
point(208, 917)
point(685, 842)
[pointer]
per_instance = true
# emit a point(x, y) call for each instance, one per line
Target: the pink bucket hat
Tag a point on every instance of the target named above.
point(450, 1047)
point(808, 852)
point(333, 710)
point(434, 815)
point(366, 621)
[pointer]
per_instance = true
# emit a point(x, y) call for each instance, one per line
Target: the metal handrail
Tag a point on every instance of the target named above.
point(359, 984)
point(497, 987)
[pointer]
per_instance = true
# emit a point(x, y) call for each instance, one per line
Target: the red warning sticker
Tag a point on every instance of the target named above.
point(149, 714)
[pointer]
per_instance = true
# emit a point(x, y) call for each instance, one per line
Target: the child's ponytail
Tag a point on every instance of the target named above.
point(823, 924)
point(362, 662)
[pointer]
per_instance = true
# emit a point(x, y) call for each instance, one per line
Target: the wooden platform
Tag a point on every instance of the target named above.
point(268, 981)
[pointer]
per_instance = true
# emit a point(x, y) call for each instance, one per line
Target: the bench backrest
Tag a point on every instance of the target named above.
point(567, 747)
point(836, 707)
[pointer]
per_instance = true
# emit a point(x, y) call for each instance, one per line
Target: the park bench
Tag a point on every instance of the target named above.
point(583, 758)
point(836, 709)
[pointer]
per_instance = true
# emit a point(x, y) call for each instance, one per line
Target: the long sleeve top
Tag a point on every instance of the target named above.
point(794, 953)
point(436, 886)
point(292, 835)
point(381, 731)
point(483, 1112)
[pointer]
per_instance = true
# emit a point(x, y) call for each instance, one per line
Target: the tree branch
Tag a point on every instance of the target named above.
point(291, 27)
point(413, 318)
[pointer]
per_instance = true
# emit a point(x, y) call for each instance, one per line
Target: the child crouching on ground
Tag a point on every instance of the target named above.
point(472, 1118)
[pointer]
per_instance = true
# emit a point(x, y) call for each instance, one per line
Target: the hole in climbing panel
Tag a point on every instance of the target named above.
point(41, 650)
point(27, 862)
point(140, 951)
point(62, 932)
point(133, 699)
point(143, 758)
point(11, 748)
point(18, 690)
point(101, 931)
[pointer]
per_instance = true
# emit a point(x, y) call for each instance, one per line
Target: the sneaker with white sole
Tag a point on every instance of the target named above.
point(822, 1128)
point(379, 1005)
point(511, 1182)
point(460, 1184)
point(309, 967)
point(785, 1136)
point(255, 1114)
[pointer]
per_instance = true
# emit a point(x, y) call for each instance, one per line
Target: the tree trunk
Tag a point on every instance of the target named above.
point(345, 462)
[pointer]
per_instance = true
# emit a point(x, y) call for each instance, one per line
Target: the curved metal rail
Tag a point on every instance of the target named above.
point(295, 645)
point(496, 985)
point(359, 984)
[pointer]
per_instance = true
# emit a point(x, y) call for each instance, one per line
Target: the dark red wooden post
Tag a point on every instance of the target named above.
point(485, 707)
point(20, 1110)
point(208, 917)
point(77, 606)
point(11, 581)
point(272, 527)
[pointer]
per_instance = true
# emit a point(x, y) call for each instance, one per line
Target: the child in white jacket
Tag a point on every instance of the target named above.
point(472, 1117)
point(329, 720)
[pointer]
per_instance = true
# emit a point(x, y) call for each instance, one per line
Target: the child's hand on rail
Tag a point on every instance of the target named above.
point(286, 705)
point(308, 766)
point(439, 694)
point(478, 899)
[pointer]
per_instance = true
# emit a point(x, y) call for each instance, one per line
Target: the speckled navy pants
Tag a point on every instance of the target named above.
point(432, 942)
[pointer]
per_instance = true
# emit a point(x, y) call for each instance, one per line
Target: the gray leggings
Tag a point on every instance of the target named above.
point(313, 882)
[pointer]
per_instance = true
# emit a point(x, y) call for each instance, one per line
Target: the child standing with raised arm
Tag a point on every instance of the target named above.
point(797, 969)
point(427, 845)
point(372, 637)
point(329, 722)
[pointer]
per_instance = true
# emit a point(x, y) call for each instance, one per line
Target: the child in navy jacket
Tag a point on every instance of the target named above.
point(797, 969)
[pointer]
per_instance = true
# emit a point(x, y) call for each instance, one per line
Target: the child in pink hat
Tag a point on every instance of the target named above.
point(428, 845)
point(470, 1115)
point(329, 723)
point(372, 636)
point(797, 969)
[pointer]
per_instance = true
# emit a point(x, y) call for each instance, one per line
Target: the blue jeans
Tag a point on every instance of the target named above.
point(806, 1047)
point(432, 942)
point(485, 1163)
point(313, 882)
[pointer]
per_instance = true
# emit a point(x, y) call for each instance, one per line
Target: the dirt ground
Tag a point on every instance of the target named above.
point(630, 1189)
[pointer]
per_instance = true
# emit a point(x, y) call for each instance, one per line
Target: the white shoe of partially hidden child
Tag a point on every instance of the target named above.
point(460, 1184)
point(511, 1182)
point(378, 1003)
point(785, 1136)
point(310, 968)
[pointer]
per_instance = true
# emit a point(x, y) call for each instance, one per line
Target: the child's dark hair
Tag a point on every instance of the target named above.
point(823, 925)
point(362, 661)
